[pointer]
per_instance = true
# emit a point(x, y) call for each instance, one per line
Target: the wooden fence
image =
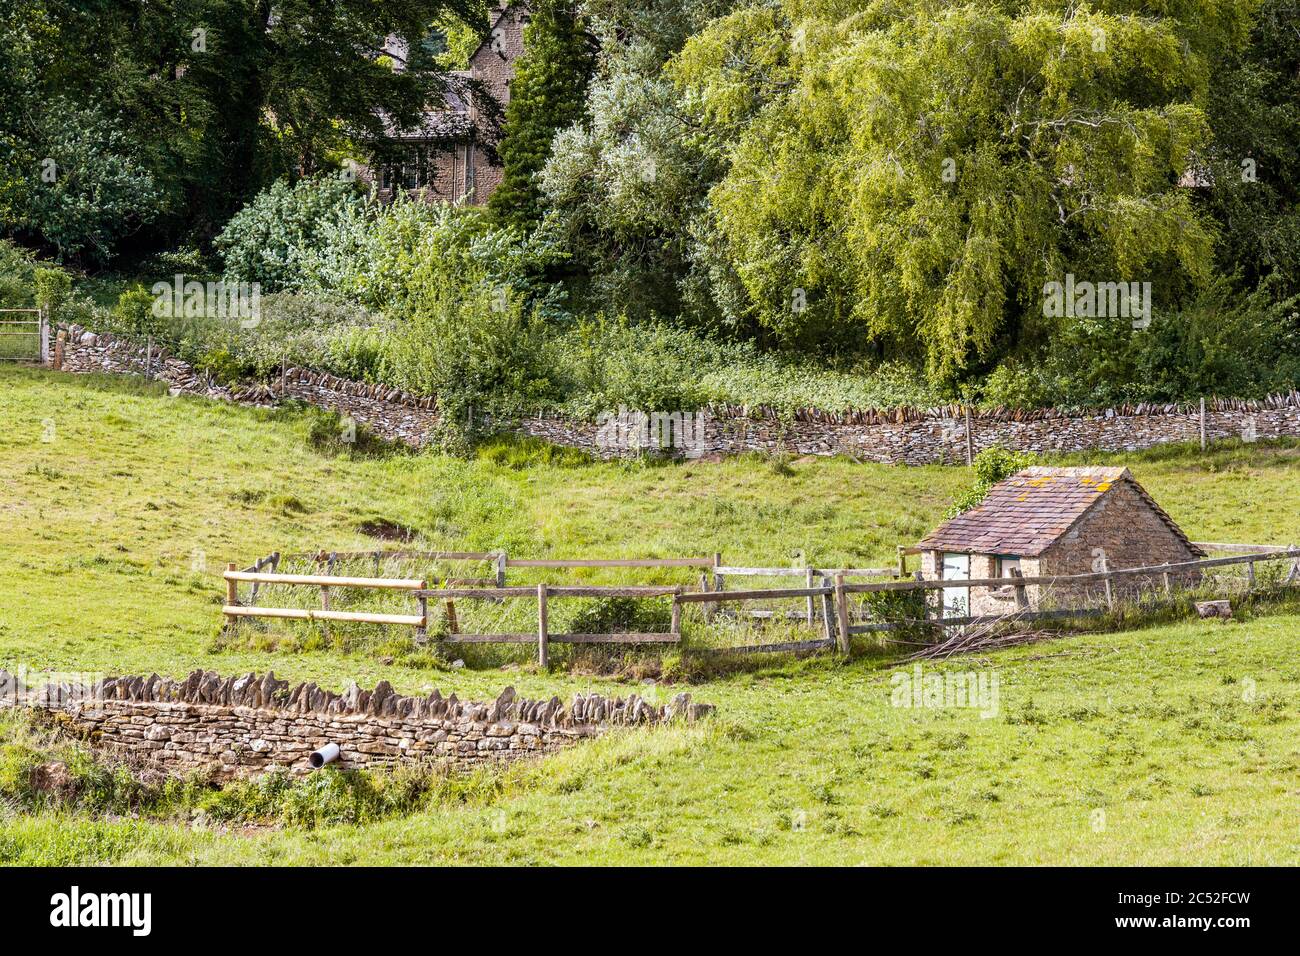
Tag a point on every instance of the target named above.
point(500, 561)
point(456, 588)
point(544, 593)
point(826, 594)
point(811, 578)
point(834, 595)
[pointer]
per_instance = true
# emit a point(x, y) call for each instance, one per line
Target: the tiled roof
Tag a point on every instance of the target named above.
point(1029, 511)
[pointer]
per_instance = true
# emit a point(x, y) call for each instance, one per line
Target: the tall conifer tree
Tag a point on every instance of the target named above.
point(546, 95)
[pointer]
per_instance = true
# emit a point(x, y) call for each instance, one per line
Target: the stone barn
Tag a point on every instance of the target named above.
point(1050, 521)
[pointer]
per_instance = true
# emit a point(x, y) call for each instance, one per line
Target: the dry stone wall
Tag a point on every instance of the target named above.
point(241, 726)
point(896, 436)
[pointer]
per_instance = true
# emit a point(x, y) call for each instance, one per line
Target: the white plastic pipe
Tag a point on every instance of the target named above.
point(327, 754)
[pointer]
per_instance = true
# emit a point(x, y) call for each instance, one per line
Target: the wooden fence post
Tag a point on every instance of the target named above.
point(812, 608)
point(826, 610)
point(148, 356)
point(542, 659)
point(1169, 583)
point(1202, 424)
point(842, 612)
point(1250, 575)
point(902, 562)
point(43, 335)
point(232, 596)
point(422, 629)
point(501, 569)
point(252, 596)
point(710, 608)
point(676, 626)
point(717, 578)
point(970, 441)
point(1022, 602)
point(1110, 596)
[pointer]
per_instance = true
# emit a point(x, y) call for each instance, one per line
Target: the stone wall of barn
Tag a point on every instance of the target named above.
point(1000, 600)
point(1122, 528)
point(241, 726)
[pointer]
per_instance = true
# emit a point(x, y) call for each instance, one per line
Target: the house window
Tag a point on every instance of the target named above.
point(1006, 563)
point(412, 172)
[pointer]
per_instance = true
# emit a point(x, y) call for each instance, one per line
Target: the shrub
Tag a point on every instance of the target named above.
point(270, 239)
point(53, 289)
point(400, 257)
point(604, 364)
point(133, 313)
point(1222, 343)
point(16, 276)
point(482, 355)
point(613, 615)
point(898, 607)
point(102, 191)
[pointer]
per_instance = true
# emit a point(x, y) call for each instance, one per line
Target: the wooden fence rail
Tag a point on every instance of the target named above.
point(501, 560)
point(1086, 578)
point(543, 593)
point(234, 610)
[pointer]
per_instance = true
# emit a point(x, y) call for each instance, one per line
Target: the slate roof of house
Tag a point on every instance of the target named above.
point(1028, 512)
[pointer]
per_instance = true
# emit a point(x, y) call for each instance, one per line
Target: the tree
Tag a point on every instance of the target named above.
point(1254, 163)
point(909, 176)
point(219, 97)
point(546, 95)
point(625, 184)
point(89, 189)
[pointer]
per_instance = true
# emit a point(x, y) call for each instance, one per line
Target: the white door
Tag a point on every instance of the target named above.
point(956, 601)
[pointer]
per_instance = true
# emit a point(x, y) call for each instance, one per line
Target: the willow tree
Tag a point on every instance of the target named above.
point(910, 173)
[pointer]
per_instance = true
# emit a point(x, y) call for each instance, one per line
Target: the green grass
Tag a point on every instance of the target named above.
point(116, 528)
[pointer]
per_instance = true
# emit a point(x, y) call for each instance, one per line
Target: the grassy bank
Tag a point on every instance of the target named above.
point(119, 506)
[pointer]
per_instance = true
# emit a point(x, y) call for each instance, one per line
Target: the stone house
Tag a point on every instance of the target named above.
point(1050, 521)
point(450, 157)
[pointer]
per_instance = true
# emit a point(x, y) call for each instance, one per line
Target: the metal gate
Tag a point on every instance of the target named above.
point(24, 336)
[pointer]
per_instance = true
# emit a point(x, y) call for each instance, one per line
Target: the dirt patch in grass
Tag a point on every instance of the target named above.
point(386, 530)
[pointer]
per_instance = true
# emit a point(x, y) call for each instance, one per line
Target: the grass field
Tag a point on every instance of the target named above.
point(1172, 744)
